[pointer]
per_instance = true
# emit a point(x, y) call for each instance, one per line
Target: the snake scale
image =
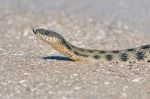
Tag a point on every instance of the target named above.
point(131, 55)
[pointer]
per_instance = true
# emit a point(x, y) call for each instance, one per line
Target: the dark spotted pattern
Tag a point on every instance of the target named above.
point(145, 47)
point(67, 45)
point(109, 57)
point(81, 49)
point(80, 54)
point(96, 56)
point(102, 51)
point(140, 55)
point(116, 51)
point(124, 57)
point(131, 49)
point(148, 60)
point(91, 51)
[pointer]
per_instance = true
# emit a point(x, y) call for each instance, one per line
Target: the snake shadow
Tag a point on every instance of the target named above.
point(56, 58)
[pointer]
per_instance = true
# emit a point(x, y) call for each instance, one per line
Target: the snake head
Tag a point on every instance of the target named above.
point(48, 35)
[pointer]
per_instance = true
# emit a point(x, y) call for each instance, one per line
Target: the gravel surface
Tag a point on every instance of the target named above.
point(30, 69)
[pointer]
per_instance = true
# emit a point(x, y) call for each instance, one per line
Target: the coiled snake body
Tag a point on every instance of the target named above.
point(78, 54)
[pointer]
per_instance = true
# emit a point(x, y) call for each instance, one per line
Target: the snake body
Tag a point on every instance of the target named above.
point(130, 55)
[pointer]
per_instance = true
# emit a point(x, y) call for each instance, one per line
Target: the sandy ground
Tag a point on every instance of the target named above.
point(30, 69)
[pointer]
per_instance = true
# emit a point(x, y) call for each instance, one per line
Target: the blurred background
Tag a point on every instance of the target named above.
point(133, 12)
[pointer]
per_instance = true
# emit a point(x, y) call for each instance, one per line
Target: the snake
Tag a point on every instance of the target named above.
point(59, 43)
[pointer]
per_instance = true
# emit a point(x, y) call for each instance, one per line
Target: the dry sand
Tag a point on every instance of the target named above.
point(24, 74)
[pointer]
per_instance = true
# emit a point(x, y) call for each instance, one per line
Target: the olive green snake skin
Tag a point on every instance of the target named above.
point(132, 55)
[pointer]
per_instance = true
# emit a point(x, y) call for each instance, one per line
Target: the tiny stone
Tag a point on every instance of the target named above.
point(124, 94)
point(106, 83)
point(64, 97)
point(77, 87)
point(137, 79)
point(26, 33)
point(26, 74)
